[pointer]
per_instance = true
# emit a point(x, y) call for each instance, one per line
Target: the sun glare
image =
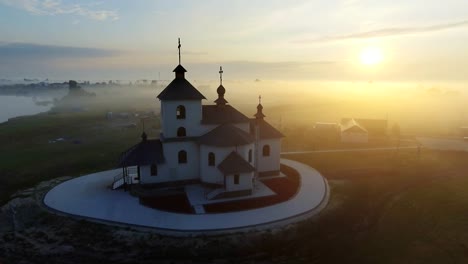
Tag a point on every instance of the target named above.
point(371, 56)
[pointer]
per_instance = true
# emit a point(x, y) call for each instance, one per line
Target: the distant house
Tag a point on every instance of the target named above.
point(213, 145)
point(353, 132)
point(327, 131)
point(374, 127)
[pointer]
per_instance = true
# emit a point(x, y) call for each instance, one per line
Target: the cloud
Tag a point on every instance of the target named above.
point(56, 7)
point(18, 51)
point(277, 65)
point(389, 32)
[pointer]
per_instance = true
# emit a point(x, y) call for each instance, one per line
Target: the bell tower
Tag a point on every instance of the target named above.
point(181, 107)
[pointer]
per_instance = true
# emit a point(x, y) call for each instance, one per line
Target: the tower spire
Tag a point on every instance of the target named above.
point(179, 50)
point(259, 115)
point(221, 91)
point(179, 70)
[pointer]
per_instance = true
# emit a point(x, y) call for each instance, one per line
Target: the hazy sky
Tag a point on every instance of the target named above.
point(317, 40)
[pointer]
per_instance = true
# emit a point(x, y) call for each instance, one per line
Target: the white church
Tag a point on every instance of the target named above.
point(213, 145)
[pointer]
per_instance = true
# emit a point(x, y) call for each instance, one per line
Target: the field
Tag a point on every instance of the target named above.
point(50, 145)
point(385, 207)
point(390, 208)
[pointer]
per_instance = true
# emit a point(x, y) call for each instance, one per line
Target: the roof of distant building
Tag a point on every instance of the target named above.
point(351, 125)
point(234, 163)
point(226, 135)
point(145, 152)
point(373, 126)
point(220, 114)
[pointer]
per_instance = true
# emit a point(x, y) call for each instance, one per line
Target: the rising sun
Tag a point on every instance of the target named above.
point(371, 56)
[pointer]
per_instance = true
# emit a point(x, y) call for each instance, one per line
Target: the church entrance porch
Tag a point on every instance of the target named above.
point(197, 194)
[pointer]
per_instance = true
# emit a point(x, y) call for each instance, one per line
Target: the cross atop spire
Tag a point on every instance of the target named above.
point(220, 75)
point(259, 99)
point(179, 50)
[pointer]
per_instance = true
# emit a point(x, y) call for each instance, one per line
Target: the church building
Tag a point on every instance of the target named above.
point(213, 145)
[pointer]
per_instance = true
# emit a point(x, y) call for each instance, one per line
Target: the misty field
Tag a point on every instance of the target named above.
point(393, 206)
point(51, 145)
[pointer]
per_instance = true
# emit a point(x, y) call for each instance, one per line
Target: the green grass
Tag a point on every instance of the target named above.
point(427, 223)
point(27, 157)
point(388, 208)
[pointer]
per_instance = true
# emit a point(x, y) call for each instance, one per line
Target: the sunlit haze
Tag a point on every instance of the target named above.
point(371, 56)
point(306, 40)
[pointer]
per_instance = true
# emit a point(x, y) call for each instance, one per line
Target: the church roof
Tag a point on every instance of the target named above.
point(180, 89)
point(220, 114)
point(179, 68)
point(226, 135)
point(145, 152)
point(234, 163)
point(267, 131)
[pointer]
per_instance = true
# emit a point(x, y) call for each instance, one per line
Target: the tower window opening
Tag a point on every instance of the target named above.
point(180, 112)
point(181, 132)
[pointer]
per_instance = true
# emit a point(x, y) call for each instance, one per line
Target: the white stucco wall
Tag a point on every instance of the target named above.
point(172, 170)
point(245, 182)
point(162, 176)
point(170, 123)
point(354, 137)
point(211, 174)
point(272, 162)
point(144, 173)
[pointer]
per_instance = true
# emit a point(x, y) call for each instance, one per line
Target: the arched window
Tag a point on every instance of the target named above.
point(180, 112)
point(250, 155)
point(182, 157)
point(181, 132)
point(211, 159)
point(266, 151)
point(154, 170)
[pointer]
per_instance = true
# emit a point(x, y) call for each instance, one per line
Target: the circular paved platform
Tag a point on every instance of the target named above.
point(89, 196)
